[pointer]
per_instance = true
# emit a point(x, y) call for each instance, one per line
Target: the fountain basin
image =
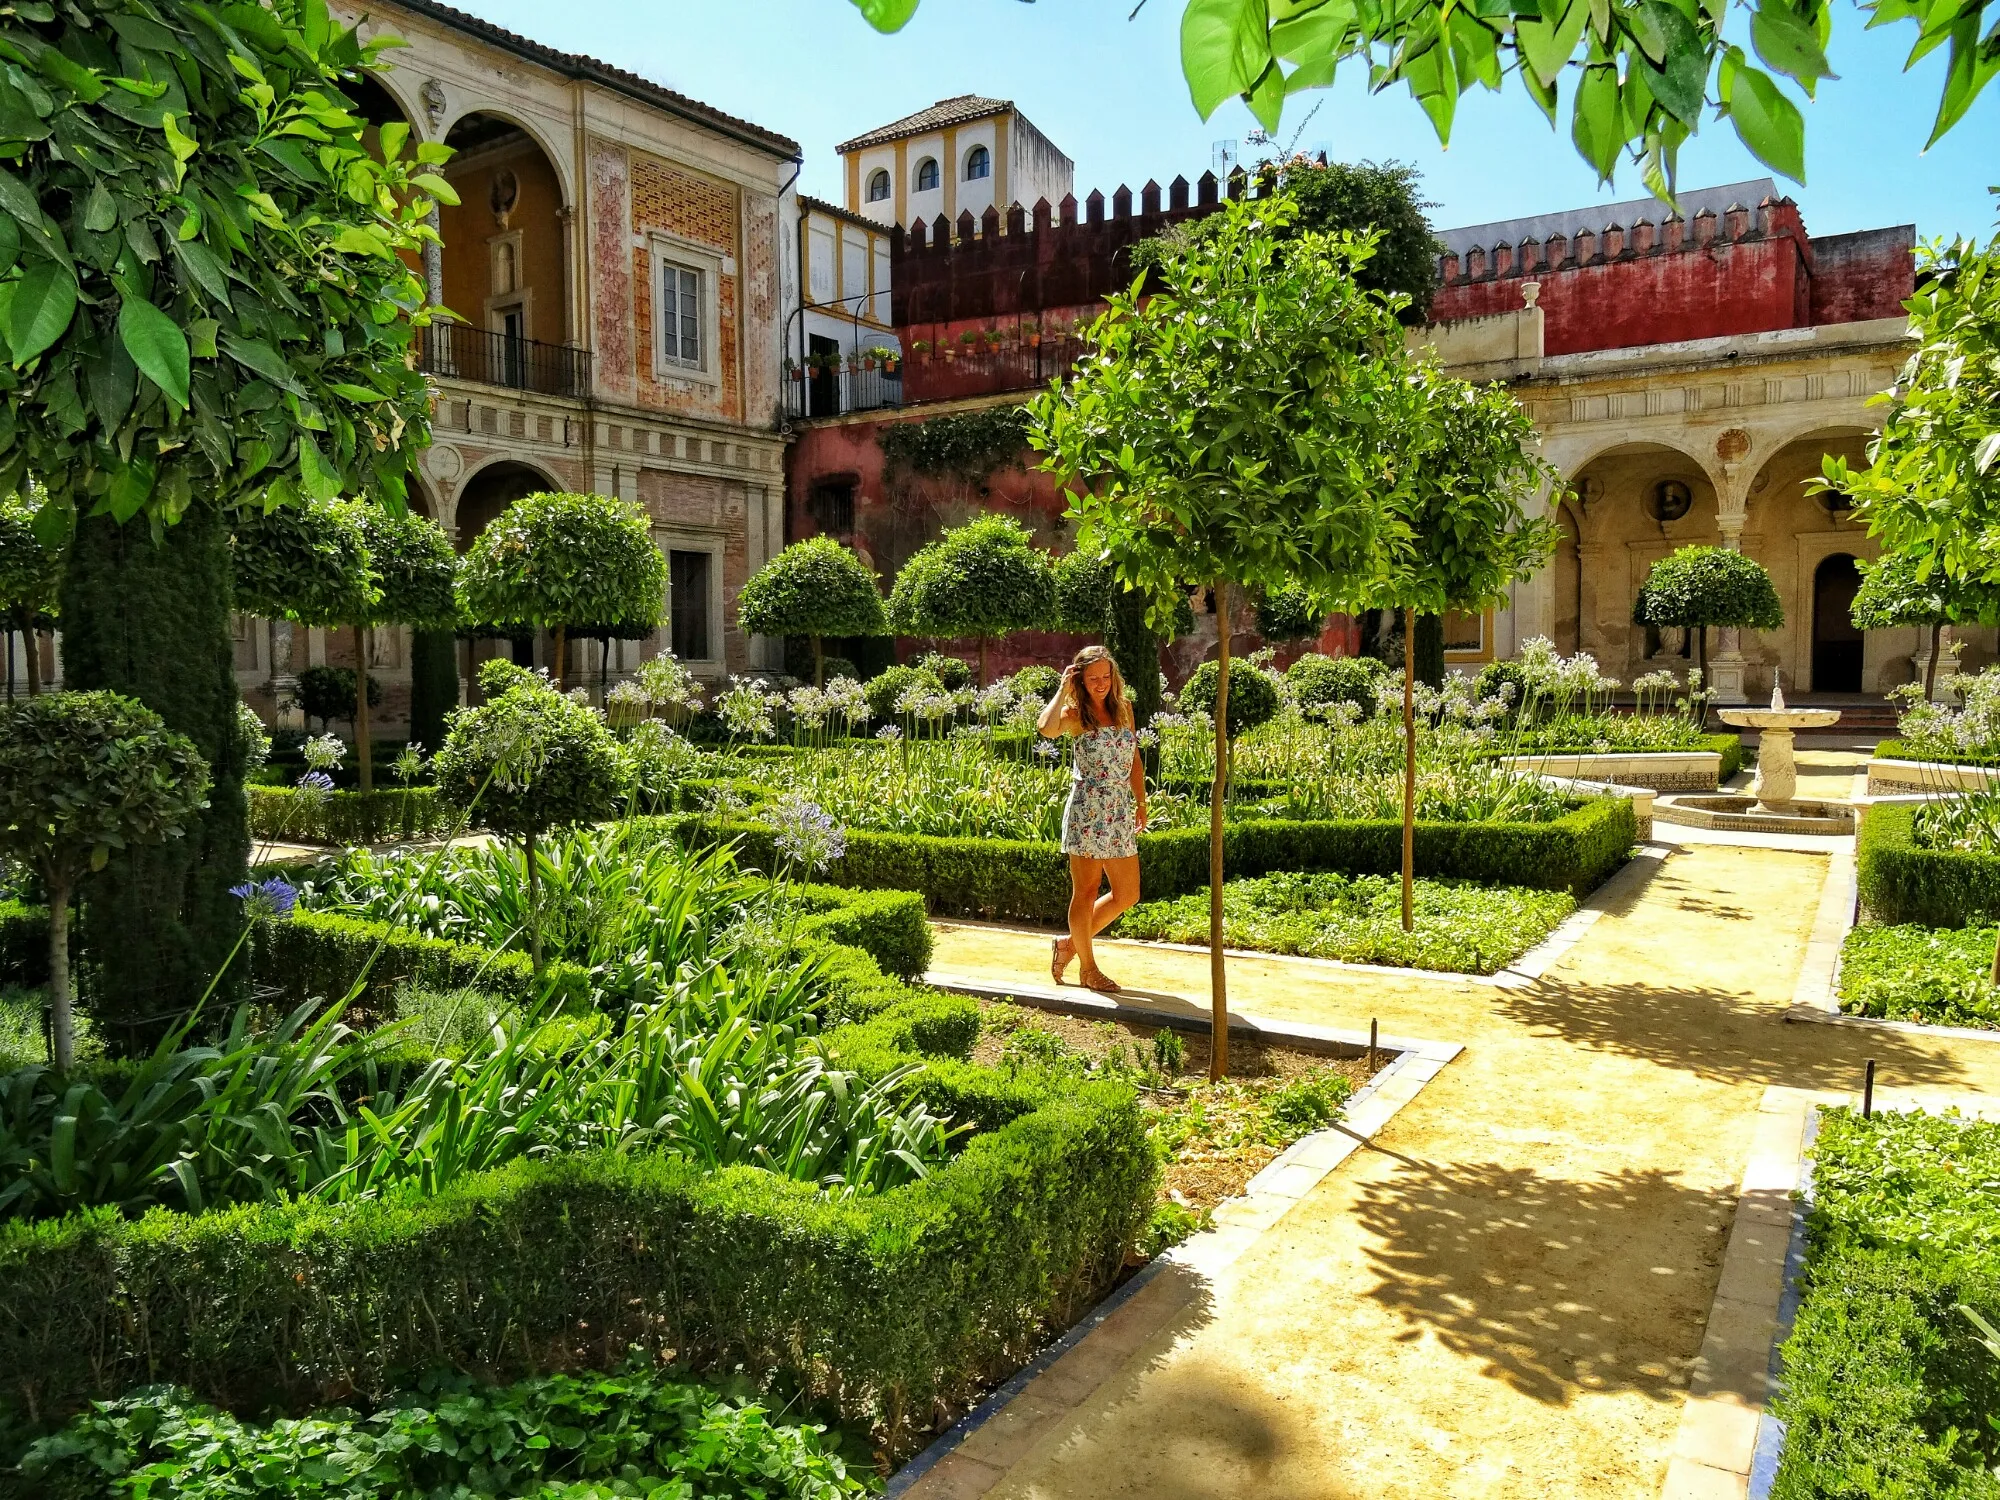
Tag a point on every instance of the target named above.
point(1746, 813)
point(1785, 719)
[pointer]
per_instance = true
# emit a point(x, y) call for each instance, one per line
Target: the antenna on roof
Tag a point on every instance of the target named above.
point(1222, 158)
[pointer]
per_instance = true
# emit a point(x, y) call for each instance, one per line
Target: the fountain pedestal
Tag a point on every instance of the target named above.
point(1773, 805)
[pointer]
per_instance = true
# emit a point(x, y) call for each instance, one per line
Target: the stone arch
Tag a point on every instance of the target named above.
point(507, 266)
point(489, 489)
point(558, 159)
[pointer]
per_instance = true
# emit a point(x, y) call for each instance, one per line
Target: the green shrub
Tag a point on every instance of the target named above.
point(1460, 928)
point(637, 1428)
point(1317, 681)
point(888, 925)
point(24, 943)
point(1036, 681)
point(1902, 883)
point(885, 1305)
point(1897, 749)
point(1005, 878)
point(954, 672)
point(1939, 976)
point(1253, 695)
point(319, 955)
point(287, 814)
point(327, 693)
point(885, 688)
point(1887, 1387)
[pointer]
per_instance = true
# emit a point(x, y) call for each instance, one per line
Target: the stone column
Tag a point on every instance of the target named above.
point(285, 713)
point(1590, 628)
point(439, 334)
point(1727, 666)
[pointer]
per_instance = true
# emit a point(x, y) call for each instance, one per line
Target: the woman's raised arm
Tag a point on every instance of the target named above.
point(1059, 713)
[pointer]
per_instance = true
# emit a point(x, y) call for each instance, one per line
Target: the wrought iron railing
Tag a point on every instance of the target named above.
point(478, 354)
point(830, 393)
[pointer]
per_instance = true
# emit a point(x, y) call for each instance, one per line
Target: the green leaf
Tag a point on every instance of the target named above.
point(887, 15)
point(1680, 83)
point(131, 487)
point(356, 392)
point(44, 302)
point(201, 337)
point(1973, 65)
point(1267, 99)
point(1224, 50)
point(357, 239)
point(157, 346)
point(204, 268)
point(1547, 46)
point(100, 210)
point(260, 358)
point(435, 186)
point(1789, 44)
point(1768, 123)
point(1594, 119)
point(10, 243)
point(315, 477)
point(394, 134)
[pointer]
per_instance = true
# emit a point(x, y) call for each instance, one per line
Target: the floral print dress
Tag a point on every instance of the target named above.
point(1101, 818)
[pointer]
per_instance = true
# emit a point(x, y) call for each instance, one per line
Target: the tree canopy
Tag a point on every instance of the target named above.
point(307, 562)
point(1932, 486)
point(412, 565)
point(1380, 198)
point(1639, 74)
point(81, 775)
point(202, 287)
point(815, 588)
point(979, 581)
point(554, 561)
point(1898, 589)
point(1702, 586)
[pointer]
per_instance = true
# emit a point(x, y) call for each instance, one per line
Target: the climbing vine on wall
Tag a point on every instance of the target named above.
point(971, 446)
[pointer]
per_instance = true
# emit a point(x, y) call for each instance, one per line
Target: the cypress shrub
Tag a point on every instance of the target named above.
point(433, 685)
point(150, 619)
point(282, 812)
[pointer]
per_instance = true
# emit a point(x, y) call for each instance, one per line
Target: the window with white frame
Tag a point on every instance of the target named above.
point(686, 327)
point(927, 174)
point(680, 315)
point(878, 185)
point(978, 163)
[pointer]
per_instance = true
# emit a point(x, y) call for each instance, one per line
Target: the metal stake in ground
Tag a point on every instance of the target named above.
point(1372, 1024)
point(1868, 1091)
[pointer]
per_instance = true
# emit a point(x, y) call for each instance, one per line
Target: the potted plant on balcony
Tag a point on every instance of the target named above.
point(994, 339)
point(868, 359)
point(970, 338)
point(887, 357)
point(794, 369)
point(921, 348)
point(1032, 332)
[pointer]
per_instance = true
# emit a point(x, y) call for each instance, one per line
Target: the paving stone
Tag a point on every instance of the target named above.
point(955, 1477)
point(1693, 1481)
point(1718, 1432)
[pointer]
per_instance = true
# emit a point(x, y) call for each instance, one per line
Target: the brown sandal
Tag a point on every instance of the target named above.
point(1101, 982)
point(1058, 960)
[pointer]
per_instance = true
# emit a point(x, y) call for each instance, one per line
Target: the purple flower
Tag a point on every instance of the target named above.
point(806, 835)
point(316, 781)
point(268, 898)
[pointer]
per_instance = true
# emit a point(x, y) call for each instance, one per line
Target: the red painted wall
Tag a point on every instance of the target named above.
point(1865, 275)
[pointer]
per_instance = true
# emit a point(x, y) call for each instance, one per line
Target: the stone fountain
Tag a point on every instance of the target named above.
point(1772, 805)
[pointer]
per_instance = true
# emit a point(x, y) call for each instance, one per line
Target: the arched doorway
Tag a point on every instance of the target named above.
point(480, 501)
point(1836, 643)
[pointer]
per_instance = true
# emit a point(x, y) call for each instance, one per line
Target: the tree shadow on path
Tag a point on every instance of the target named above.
point(1558, 1286)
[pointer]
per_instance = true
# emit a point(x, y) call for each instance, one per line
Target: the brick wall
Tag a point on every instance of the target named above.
point(1864, 275)
point(704, 212)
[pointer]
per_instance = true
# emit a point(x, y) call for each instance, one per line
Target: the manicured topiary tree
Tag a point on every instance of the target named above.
point(815, 588)
point(1288, 613)
point(1318, 681)
point(1090, 600)
point(83, 774)
point(1237, 426)
point(983, 580)
point(30, 574)
point(1254, 699)
point(552, 561)
point(1906, 588)
point(415, 574)
point(527, 761)
point(1697, 587)
point(1465, 512)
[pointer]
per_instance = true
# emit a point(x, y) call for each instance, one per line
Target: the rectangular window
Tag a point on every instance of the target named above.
point(680, 314)
point(1464, 631)
point(831, 507)
point(687, 604)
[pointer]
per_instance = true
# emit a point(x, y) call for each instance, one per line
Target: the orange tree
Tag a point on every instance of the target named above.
point(1237, 424)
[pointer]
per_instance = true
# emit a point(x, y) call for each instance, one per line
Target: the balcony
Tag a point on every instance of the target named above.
point(457, 351)
point(954, 369)
point(833, 393)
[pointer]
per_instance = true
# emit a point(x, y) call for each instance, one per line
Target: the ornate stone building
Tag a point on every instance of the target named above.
point(614, 268)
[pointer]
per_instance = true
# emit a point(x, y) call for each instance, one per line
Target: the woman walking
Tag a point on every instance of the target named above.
point(1106, 807)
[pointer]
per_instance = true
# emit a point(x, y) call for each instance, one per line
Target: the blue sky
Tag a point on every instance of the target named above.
point(1109, 93)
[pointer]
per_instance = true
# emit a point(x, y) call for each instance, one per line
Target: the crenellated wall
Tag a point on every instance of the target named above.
point(1742, 270)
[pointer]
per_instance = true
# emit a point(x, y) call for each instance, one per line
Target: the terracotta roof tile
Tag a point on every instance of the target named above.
point(953, 111)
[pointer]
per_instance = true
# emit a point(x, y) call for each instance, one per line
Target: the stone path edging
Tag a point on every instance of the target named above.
point(974, 1455)
point(1727, 1439)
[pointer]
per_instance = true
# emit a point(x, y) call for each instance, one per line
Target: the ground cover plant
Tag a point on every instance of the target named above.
point(1460, 927)
point(1558, 704)
point(1891, 1380)
point(1211, 1137)
point(1966, 734)
point(1941, 976)
point(634, 1432)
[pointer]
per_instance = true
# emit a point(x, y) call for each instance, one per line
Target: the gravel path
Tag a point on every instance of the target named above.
point(1501, 1296)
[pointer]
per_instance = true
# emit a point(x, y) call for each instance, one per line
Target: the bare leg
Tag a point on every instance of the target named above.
point(1121, 898)
point(1086, 878)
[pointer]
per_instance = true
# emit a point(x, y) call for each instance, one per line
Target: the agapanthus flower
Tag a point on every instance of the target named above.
point(267, 898)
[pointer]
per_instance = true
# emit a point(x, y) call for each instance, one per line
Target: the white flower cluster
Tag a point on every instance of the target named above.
point(748, 709)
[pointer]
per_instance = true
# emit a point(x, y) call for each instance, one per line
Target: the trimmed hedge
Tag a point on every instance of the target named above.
point(24, 943)
point(318, 955)
point(887, 1306)
point(288, 814)
point(1010, 878)
point(889, 926)
point(1902, 883)
point(1894, 749)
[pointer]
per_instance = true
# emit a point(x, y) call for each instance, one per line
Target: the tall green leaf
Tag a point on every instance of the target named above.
point(157, 346)
point(43, 304)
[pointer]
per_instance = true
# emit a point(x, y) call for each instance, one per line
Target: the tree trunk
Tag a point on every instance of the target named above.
point(150, 619)
point(1930, 671)
point(1409, 770)
point(33, 638)
point(1996, 963)
point(819, 662)
point(1428, 643)
point(1218, 794)
point(1701, 653)
point(364, 762)
point(534, 906)
point(62, 1025)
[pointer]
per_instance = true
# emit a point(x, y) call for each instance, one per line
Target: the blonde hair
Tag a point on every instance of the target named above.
point(1086, 710)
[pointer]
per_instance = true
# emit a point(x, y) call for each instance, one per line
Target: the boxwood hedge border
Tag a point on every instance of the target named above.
point(1901, 882)
point(893, 1308)
point(1030, 881)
